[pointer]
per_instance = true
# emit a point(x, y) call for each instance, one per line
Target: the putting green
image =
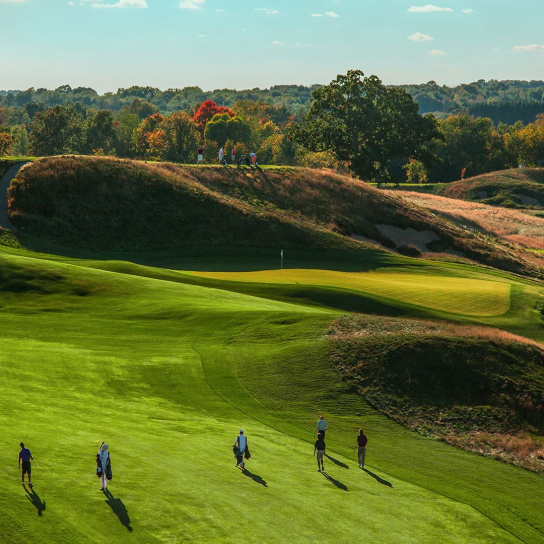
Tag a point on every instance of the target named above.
point(167, 374)
point(455, 295)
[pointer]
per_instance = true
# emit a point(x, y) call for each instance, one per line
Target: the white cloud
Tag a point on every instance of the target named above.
point(429, 8)
point(419, 37)
point(317, 15)
point(436, 52)
point(120, 4)
point(277, 43)
point(12, 1)
point(202, 35)
point(533, 47)
point(468, 10)
point(268, 11)
point(191, 4)
point(332, 14)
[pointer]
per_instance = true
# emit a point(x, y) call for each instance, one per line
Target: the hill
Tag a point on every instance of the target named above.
point(110, 204)
point(455, 382)
point(516, 188)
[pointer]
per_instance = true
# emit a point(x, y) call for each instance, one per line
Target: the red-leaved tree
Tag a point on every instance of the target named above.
point(205, 113)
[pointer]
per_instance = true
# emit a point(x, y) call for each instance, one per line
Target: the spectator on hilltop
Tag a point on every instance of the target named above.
point(233, 155)
point(361, 448)
point(241, 450)
point(321, 426)
point(200, 152)
point(320, 449)
point(221, 155)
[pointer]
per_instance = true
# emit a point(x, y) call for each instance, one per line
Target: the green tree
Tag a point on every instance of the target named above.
point(181, 138)
point(223, 127)
point(6, 141)
point(366, 124)
point(100, 133)
point(20, 140)
point(57, 131)
point(125, 127)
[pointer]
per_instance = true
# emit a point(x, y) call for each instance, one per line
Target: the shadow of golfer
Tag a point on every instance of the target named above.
point(254, 477)
point(336, 461)
point(377, 478)
point(34, 498)
point(338, 484)
point(119, 509)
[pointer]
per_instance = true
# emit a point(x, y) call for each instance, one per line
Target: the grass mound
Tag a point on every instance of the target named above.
point(112, 204)
point(516, 188)
point(445, 380)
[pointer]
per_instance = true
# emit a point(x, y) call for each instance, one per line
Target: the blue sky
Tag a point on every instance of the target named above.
point(107, 44)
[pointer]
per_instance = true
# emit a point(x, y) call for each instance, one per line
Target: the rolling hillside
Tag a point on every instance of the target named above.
point(105, 204)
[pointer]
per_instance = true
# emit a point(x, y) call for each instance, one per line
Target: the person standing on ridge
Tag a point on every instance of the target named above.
point(200, 152)
point(320, 448)
point(221, 155)
point(233, 155)
point(361, 448)
point(105, 463)
point(321, 426)
point(240, 445)
point(25, 456)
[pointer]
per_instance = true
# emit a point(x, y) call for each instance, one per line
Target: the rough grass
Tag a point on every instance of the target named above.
point(467, 385)
point(506, 188)
point(103, 203)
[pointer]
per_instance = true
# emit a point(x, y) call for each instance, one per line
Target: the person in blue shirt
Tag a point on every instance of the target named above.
point(25, 456)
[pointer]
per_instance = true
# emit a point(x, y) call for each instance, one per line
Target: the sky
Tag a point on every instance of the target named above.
point(242, 44)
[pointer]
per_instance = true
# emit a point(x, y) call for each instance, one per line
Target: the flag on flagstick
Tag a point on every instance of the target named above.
point(281, 265)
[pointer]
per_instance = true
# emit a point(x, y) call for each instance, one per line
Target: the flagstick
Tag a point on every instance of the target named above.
point(281, 264)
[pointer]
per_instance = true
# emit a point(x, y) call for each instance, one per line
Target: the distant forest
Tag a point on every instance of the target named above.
point(501, 101)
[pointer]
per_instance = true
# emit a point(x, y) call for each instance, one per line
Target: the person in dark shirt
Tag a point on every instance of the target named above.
point(319, 448)
point(361, 448)
point(25, 456)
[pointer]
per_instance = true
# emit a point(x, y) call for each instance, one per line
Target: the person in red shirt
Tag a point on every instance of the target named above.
point(361, 448)
point(233, 155)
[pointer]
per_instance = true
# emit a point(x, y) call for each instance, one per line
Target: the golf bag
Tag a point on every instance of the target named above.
point(98, 466)
point(109, 474)
point(235, 450)
point(247, 455)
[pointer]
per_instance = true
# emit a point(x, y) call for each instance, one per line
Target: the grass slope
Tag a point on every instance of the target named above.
point(167, 372)
point(109, 204)
point(516, 188)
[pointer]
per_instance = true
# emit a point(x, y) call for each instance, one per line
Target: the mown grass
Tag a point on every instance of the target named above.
point(167, 373)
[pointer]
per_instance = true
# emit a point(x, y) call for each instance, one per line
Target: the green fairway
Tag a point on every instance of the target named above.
point(168, 372)
point(463, 296)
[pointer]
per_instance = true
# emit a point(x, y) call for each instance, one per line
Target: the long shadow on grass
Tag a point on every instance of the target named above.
point(119, 509)
point(377, 478)
point(338, 484)
point(254, 477)
point(34, 498)
point(336, 461)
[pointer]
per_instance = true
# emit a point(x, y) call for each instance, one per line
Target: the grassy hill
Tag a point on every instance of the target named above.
point(111, 205)
point(516, 188)
point(167, 371)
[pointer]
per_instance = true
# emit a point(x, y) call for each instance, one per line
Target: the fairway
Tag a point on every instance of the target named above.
point(455, 295)
point(167, 374)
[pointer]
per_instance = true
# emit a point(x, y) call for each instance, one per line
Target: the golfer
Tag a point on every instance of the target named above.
point(221, 155)
point(104, 455)
point(319, 448)
point(361, 448)
point(241, 445)
point(200, 153)
point(25, 456)
point(233, 155)
point(321, 426)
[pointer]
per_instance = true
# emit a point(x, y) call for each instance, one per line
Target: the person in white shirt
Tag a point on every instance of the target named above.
point(104, 454)
point(241, 445)
point(321, 426)
point(221, 155)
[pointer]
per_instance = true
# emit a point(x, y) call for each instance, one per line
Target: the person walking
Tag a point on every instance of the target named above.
point(221, 155)
point(321, 426)
point(233, 155)
point(319, 449)
point(200, 152)
point(241, 449)
point(361, 448)
point(254, 159)
point(25, 457)
point(105, 465)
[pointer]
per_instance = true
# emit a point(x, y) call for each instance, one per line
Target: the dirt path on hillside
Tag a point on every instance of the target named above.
point(4, 186)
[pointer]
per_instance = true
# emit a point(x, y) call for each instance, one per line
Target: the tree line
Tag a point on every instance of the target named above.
point(355, 123)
